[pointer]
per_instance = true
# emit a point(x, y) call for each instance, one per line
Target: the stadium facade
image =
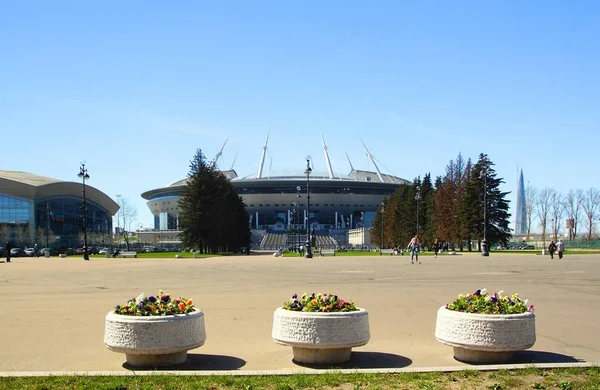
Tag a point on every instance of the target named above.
point(41, 210)
point(277, 203)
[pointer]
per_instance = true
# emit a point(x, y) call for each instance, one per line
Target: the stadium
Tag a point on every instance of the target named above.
point(277, 204)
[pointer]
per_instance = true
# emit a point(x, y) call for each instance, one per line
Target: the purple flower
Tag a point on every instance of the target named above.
point(118, 308)
point(165, 298)
point(478, 293)
point(494, 299)
point(295, 296)
point(152, 299)
point(140, 305)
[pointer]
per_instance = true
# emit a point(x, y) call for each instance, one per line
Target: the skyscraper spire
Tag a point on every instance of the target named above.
point(521, 218)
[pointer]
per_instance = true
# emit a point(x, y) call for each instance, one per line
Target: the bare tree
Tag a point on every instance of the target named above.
point(591, 204)
point(542, 208)
point(126, 217)
point(20, 235)
point(558, 207)
point(5, 231)
point(531, 194)
point(574, 201)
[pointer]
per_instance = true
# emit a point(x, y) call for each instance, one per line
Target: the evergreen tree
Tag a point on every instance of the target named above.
point(213, 216)
point(484, 176)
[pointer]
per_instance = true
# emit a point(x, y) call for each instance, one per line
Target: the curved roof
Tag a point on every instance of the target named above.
point(30, 186)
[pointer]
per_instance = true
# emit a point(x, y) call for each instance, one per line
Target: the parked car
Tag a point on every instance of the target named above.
point(93, 250)
point(17, 252)
point(103, 251)
point(29, 252)
point(52, 252)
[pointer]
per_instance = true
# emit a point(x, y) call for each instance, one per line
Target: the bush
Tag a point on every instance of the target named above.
point(483, 303)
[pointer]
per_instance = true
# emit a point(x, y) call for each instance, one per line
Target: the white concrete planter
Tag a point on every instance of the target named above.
point(485, 338)
point(321, 338)
point(154, 340)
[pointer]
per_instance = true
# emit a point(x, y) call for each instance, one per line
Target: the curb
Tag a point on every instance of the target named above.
point(493, 367)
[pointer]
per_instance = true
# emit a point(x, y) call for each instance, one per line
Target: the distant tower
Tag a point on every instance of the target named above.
point(521, 221)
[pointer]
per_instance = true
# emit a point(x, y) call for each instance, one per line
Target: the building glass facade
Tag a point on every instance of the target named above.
point(60, 222)
point(16, 220)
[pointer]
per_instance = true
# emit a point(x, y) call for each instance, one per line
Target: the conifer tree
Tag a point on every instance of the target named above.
point(213, 216)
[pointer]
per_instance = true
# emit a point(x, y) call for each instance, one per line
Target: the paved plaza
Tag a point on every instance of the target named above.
point(52, 311)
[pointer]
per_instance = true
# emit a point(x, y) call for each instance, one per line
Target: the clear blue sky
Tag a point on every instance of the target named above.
point(134, 88)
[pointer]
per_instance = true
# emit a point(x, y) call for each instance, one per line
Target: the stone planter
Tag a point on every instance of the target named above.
point(154, 341)
point(485, 338)
point(321, 338)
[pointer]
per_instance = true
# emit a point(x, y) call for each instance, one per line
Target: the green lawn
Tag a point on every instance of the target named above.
point(528, 378)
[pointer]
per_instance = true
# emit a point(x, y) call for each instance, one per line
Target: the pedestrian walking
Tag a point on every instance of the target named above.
point(8, 247)
point(560, 248)
point(552, 248)
point(36, 251)
point(414, 246)
point(436, 247)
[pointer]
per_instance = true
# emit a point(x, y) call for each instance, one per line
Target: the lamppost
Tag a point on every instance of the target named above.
point(553, 232)
point(308, 171)
point(298, 218)
point(83, 175)
point(382, 226)
point(48, 214)
point(418, 199)
point(484, 244)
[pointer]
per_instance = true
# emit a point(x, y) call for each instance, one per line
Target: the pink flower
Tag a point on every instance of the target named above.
point(530, 308)
point(342, 303)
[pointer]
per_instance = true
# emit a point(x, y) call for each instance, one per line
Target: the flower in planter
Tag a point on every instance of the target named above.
point(482, 302)
point(319, 303)
point(156, 305)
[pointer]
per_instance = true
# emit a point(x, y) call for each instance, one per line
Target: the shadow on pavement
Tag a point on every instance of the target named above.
point(196, 362)
point(367, 360)
point(543, 357)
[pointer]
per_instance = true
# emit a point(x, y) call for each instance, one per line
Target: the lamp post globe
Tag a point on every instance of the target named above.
point(307, 172)
point(83, 175)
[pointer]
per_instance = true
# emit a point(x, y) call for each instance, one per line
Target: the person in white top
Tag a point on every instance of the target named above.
point(560, 248)
point(414, 246)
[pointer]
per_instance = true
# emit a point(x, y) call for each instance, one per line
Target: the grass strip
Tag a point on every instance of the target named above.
point(528, 378)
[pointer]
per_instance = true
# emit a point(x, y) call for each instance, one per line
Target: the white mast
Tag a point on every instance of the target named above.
point(262, 158)
point(349, 162)
point(327, 158)
point(234, 159)
point(373, 161)
point(215, 160)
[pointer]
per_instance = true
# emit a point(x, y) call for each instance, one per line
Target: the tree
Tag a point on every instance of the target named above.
point(542, 208)
point(127, 215)
point(591, 204)
point(213, 216)
point(483, 180)
point(530, 202)
point(557, 209)
point(574, 202)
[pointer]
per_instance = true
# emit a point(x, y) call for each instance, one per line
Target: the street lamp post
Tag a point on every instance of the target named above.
point(48, 213)
point(298, 218)
point(484, 244)
point(382, 226)
point(418, 199)
point(308, 171)
point(83, 175)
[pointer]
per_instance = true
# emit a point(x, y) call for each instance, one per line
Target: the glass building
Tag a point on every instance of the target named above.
point(47, 212)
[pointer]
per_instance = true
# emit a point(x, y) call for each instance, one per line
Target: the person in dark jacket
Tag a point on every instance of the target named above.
point(552, 249)
point(8, 247)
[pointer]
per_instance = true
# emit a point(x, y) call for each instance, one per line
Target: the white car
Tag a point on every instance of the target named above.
point(103, 251)
point(29, 251)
